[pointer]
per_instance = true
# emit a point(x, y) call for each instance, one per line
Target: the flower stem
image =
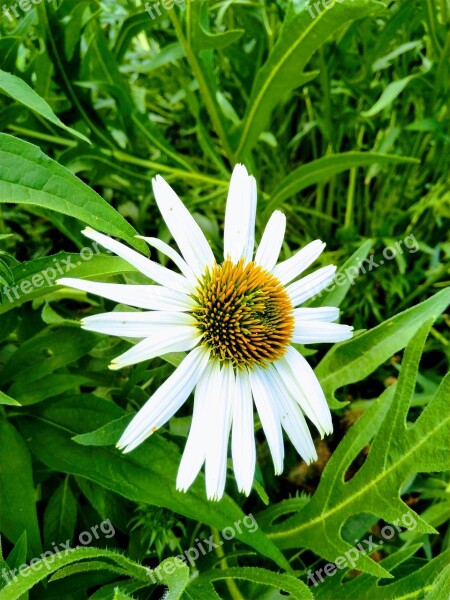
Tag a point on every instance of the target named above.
point(230, 583)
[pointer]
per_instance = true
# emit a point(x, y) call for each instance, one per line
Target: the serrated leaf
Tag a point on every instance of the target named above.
point(202, 587)
point(429, 582)
point(44, 568)
point(354, 360)
point(398, 449)
point(300, 37)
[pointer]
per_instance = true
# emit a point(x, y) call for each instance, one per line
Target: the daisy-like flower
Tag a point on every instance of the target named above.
point(237, 320)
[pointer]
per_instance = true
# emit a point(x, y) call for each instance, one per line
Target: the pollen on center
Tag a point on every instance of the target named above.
point(244, 313)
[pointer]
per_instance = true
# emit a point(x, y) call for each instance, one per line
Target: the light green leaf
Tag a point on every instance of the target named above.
point(4, 399)
point(176, 581)
point(300, 37)
point(429, 581)
point(37, 278)
point(398, 450)
point(345, 277)
point(320, 170)
point(390, 93)
point(19, 90)
point(354, 360)
point(28, 176)
point(202, 587)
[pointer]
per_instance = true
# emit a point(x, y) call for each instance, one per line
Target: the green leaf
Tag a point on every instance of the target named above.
point(37, 278)
point(345, 277)
point(432, 579)
point(48, 351)
point(398, 450)
point(4, 399)
point(18, 554)
point(202, 587)
point(322, 169)
point(49, 387)
point(300, 37)
point(60, 515)
point(41, 569)
point(28, 176)
point(145, 475)
point(354, 360)
point(19, 90)
point(390, 93)
point(17, 494)
point(203, 39)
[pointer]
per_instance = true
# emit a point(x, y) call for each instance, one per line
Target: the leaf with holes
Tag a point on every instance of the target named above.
point(398, 449)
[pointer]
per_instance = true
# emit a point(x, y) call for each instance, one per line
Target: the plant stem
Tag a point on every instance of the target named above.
point(230, 583)
point(205, 91)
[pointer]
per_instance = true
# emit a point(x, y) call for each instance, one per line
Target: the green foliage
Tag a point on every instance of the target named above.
point(342, 116)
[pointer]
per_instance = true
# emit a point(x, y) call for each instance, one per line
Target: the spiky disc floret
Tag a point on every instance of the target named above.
point(244, 313)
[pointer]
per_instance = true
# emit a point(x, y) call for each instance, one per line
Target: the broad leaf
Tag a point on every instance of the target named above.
point(20, 91)
point(28, 176)
point(145, 475)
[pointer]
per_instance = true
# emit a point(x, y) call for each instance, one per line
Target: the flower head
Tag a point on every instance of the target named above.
point(237, 319)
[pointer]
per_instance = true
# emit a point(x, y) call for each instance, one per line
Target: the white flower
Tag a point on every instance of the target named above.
point(237, 320)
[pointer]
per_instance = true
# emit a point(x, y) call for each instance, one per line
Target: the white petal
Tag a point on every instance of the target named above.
point(271, 241)
point(327, 314)
point(292, 419)
point(312, 284)
point(166, 400)
point(147, 267)
point(304, 258)
point(313, 332)
point(136, 324)
point(177, 339)
point(187, 234)
point(195, 451)
point(243, 437)
point(220, 413)
point(172, 254)
point(305, 388)
point(150, 297)
point(268, 414)
point(240, 214)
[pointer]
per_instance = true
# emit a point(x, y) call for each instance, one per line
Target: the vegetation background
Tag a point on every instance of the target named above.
point(342, 115)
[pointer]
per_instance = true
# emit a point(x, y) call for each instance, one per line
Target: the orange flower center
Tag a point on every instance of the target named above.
point(244, 313)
